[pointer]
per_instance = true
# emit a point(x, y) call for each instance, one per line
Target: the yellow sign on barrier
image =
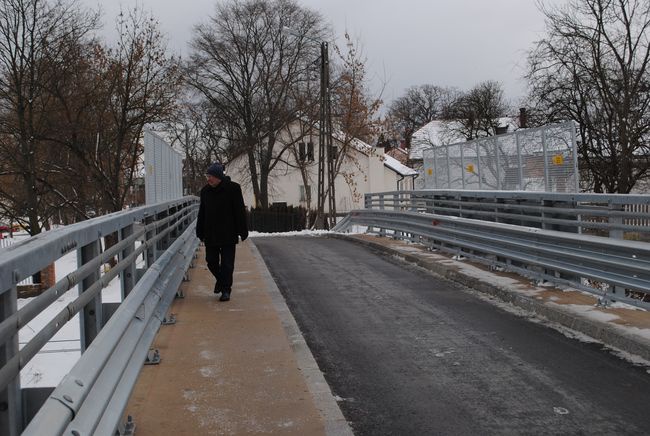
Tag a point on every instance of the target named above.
point(558, 159)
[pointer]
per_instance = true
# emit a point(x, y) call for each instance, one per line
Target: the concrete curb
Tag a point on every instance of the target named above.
point(335, 422)
point(608, 334)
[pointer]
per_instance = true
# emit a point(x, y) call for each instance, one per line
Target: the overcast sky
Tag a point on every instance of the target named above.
point(406, 42)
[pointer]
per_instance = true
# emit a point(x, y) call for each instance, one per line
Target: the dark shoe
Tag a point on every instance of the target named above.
point(216, 289)
point(225, 296)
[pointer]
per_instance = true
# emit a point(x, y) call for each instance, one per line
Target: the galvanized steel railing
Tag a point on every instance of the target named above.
point(613, 215)
point(92, 397)
point(540, 235)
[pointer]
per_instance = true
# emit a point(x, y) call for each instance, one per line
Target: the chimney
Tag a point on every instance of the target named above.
point(523, 118)
point(375, 171)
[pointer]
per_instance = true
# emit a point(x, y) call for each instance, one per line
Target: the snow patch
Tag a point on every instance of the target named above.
point(288, 234)
point(591, 312)
point(207, 355)
point(208, 371)
point(561, 410)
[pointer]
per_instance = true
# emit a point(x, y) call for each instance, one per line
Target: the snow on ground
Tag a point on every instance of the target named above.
point(294, 233)
point(60, 354)
point(354, 230)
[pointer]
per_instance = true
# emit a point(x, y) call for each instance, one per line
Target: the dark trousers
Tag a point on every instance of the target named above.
point(221, 263)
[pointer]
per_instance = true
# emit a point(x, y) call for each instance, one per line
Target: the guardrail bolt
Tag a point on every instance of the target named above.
point(129, 427)
point(68, 398)
point(169, 319)
point(153, 357)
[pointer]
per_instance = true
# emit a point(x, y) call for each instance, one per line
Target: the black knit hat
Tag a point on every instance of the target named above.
point(216, 169)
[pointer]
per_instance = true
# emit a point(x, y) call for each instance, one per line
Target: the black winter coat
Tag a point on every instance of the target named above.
point(222, 214)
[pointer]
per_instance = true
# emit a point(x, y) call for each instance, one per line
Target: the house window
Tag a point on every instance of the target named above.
point(310, 151)
point(301, 151)
point(304, 191)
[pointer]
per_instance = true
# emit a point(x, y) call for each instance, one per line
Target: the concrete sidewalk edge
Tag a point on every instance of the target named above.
point(335, 422)
point(609, 335)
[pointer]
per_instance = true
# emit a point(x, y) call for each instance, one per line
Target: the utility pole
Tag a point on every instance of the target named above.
point(325, 148)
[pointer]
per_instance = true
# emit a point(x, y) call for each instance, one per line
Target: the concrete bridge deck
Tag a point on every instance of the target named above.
point(238, 367)
point(242, 367)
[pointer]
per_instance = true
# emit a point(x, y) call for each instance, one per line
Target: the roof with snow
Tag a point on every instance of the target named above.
point(389, 161)
point(442, 132)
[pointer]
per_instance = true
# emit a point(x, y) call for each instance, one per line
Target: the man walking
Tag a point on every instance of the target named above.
point(222, 218)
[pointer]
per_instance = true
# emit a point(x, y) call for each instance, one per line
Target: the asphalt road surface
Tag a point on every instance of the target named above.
point(413, 354)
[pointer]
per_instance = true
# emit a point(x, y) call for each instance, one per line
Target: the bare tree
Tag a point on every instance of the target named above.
point(418, 106)
point(202, 140)
point(248, 66)
point(354, 113)
point(36, 39)
point(143, 84)
point(478, 110)
point(592, 68)
point(106, 100)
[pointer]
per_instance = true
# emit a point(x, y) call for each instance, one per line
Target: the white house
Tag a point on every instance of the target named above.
point(363, 169)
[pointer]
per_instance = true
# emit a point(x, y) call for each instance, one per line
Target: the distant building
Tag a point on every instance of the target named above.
point(364, 169)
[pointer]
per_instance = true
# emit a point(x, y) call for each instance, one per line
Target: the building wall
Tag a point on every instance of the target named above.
point(359, 174)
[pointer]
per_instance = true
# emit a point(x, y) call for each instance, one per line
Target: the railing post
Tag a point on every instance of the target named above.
point(174, 233)
point(616, 220)
point(10, 398)
point(186, 217)
point(151, 253)
point(163, 243)
point(127, 276)
point(91, 317)
point(547, 205)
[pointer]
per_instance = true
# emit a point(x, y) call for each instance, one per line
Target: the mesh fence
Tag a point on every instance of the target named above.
point(164, 170)
point(540, 159)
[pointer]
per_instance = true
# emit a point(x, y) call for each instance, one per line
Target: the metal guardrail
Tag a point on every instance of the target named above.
point(92, 397)
point(614, 269)
point(613, 215)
